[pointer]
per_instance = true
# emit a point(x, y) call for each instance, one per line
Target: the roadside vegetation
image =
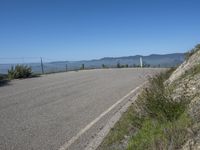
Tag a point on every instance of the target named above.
point(192, 51)
point(164, 120)
point(19, 72)
point(165, 115)
point(155, 121)
point(193, 71)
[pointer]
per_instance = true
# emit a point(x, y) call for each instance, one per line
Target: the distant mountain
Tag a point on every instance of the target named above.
point(154, 60)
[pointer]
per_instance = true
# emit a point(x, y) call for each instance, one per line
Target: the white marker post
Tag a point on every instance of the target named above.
point(141, 64)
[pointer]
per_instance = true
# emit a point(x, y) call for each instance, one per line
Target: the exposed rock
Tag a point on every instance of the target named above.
point(185, 66)
point(190, 86)
point(193, 143)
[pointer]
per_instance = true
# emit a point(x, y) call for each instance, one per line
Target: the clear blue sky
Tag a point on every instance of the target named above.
point(88, 29)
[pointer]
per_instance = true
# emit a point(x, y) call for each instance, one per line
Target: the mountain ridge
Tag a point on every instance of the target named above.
point(153, 60)
point(125, 57)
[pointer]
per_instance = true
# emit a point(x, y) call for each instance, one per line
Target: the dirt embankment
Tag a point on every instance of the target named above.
point(166, 115)
point(186, 78)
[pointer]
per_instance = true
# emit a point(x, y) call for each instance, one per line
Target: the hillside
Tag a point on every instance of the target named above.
point(166, 115)
point(187, 80)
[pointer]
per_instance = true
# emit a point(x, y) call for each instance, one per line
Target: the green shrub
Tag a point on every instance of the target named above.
point(158, 102)
point(128, 124)
point(19, 71)
point(154, 121)
point(192, 71)
point(166, 121)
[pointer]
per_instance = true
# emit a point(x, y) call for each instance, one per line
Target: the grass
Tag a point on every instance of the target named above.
point(161, 135)
point(193, 71)
point(157, 100)
point(192, 51)
point(161, 123)
point(128, 123)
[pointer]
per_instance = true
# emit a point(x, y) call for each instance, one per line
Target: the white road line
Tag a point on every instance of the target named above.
point(99, 137)
point(81, 132)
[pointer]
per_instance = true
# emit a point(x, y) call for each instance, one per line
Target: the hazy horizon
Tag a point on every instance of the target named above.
point(21, 60)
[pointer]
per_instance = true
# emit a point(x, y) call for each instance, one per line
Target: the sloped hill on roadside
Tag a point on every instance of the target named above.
point(186, 79)
point(166, 115)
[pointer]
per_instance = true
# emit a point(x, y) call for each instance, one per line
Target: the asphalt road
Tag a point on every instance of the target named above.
point(46, 112)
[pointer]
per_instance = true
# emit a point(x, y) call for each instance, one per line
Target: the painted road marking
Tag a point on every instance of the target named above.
point(81, 132)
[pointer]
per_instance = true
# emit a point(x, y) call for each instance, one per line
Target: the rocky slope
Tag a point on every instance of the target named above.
point(192, 61)
point(166, 115)
point(186, 78)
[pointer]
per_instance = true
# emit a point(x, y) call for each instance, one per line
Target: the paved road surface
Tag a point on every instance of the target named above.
point(46, 112)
